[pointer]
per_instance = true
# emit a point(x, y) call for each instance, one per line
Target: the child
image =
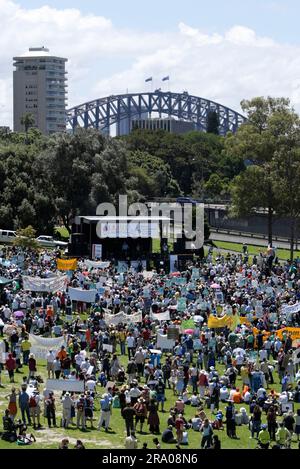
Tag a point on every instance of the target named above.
point(218, 422)
point(156, 442)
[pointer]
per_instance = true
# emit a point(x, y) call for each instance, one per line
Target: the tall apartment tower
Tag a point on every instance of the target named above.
point(40, 89)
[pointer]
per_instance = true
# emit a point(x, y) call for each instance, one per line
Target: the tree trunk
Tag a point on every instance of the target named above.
point(270, 225)
point(292, 239)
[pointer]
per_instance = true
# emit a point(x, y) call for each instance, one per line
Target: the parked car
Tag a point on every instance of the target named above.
point(7, 236)
point(49, 241)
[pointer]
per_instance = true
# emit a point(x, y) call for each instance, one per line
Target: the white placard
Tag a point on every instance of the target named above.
point(65, 385)
point(108, 348)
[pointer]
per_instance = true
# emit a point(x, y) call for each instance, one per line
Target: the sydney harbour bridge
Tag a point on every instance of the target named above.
point(106, 112)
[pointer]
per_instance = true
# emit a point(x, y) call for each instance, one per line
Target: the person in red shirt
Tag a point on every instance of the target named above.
point(10, 365)
point(179, 425)
point(146, 334)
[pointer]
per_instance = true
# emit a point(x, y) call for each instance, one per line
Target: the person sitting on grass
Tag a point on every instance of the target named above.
point(167, 435)
point(24, 439)
point(79, 445)
point(64, 444)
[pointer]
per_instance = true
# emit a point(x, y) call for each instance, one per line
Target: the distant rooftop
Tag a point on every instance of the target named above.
point(36, 52)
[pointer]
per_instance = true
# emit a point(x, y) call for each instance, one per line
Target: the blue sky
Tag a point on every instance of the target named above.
point(278, 19)
point(223, 50)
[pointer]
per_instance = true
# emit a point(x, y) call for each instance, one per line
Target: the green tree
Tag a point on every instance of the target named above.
point(26, 239)
point(27, 120)
point(258, 140)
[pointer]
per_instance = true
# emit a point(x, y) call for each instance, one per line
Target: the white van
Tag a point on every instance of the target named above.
point(7, 236)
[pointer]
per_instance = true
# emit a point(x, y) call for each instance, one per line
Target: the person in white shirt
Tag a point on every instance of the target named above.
point(41, 325)
point(130, 340)
point(195, 401)
point(261, 392)
point(263, 354)
point(91, 385)
point(50, 364)
point(247, 397)
point(7, 312)
point(67, 404)
point(224, 394)
point(134, 394)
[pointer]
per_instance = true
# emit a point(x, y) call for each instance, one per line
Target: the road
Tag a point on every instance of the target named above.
point(247, 240)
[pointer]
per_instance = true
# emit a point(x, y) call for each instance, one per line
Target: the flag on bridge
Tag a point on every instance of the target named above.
point(166, 78)
point(149, 79)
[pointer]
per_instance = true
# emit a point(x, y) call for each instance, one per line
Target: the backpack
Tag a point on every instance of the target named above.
point(32, 402)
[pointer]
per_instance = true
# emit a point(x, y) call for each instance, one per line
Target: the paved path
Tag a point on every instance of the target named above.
point(248, 240)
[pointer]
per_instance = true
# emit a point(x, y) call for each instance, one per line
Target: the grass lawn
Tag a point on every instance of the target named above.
point(62, 230)
point(50, 438)
point(283, 254)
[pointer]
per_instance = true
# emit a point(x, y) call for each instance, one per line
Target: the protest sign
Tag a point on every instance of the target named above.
point(217, 323)
point(108, 348)
point(49, 285)
point(296, 356)
point(173, 333)
point(65, 385)
point(293, 331)
point(181, 304)
point(188, 324)
point(86, 296)
point(96, 264)
point(40, 346)
point(66, 264)
point(163, 343)
point(290, 309)
point(160, 317)
point(195, 273)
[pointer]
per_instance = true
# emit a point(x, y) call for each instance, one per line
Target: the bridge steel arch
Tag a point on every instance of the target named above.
point(102, 113)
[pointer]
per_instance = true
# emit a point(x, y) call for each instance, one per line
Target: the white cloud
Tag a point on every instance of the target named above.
point(105, 60)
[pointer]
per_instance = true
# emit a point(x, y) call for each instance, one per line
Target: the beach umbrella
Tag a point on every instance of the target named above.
point(19, 314)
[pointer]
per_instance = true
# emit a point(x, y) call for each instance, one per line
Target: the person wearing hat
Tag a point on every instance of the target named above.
point(140, 413)
point(35, 408)
point(264, 438)
point(50, 409)
point(67, 404)
point(31, 366)
point(105, 405)
point(80, 407)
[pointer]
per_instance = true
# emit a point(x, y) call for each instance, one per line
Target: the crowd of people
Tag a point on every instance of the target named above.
point(165, 360)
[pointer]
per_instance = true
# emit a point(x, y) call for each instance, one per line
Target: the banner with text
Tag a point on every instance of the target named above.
point(49, 285)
